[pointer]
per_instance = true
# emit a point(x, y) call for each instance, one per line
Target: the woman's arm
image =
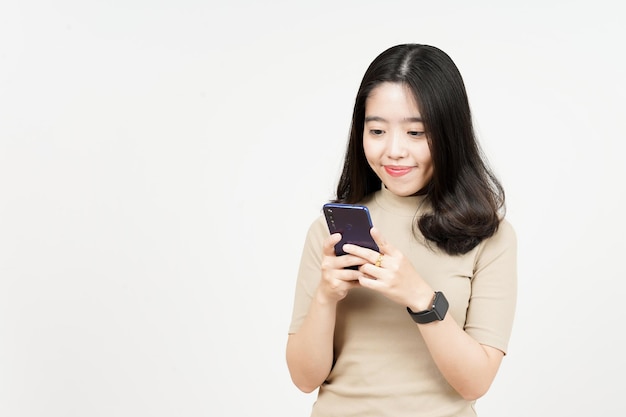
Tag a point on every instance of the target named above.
point(468, 366)
point(310, 349)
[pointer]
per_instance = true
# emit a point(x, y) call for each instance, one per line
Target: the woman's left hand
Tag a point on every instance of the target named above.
point(391, 274)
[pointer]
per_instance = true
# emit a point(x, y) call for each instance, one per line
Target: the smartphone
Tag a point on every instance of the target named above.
point(353, 221)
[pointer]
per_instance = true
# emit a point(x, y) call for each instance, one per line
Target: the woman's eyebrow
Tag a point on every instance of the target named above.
point(381, 119)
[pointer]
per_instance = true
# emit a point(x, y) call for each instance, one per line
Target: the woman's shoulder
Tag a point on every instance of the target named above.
point(504, 239)
point(318, 227)
point(506, 230)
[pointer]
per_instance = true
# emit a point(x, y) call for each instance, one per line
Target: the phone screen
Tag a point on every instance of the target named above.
point(353, 222)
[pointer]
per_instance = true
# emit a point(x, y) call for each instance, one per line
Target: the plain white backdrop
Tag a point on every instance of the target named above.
point(161, 161)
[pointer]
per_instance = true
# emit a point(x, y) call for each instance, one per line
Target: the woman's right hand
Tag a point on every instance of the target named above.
point(337, 280)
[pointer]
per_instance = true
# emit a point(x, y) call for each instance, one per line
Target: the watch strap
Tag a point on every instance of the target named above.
point(437, 312)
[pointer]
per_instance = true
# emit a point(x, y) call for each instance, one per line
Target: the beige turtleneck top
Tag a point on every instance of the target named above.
point(382, 366)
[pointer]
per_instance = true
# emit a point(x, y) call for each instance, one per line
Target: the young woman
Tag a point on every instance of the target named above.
point(420, 327)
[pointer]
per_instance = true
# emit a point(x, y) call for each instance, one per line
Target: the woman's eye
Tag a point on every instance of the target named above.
point(376, 132)
point(416, 133)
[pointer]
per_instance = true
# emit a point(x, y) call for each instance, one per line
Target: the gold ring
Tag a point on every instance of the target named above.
point(379, 260)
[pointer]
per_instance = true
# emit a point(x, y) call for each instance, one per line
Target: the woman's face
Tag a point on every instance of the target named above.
point(394, 142)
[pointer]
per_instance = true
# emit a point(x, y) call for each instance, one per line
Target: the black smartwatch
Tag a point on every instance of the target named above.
point(437, 312)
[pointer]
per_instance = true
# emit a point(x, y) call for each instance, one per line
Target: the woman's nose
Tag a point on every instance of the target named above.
point(397, 145)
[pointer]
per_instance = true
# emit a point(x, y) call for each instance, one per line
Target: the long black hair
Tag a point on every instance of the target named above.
point(466, 197)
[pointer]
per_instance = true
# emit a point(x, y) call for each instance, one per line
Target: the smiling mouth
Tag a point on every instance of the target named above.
point(397, 171)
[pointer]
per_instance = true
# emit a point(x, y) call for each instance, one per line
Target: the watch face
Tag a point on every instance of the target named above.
point(438, 312)
point(440, 305)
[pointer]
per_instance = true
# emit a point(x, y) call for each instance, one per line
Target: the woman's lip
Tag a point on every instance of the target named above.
point(397, 171)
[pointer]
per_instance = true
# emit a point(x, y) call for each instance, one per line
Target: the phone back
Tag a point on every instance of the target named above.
point(353, 222)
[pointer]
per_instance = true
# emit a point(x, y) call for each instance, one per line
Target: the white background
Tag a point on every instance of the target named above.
point(160, 162)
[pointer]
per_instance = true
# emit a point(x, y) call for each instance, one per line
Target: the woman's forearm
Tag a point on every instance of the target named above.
point(468, 366)
point(310, 350)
